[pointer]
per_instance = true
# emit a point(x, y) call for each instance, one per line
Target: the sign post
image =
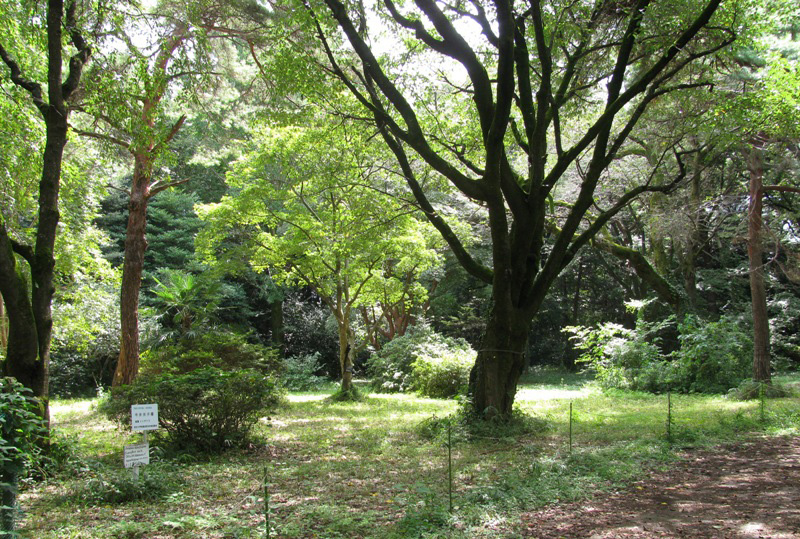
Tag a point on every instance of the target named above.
point(144, 417)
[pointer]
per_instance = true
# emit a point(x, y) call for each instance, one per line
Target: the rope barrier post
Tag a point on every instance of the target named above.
point(450, 461)
point(669, 416)
point(266, 503)
point(570, 428)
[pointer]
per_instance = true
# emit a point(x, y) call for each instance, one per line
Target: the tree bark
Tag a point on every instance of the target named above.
point(3, 325)
point(527, 252)
point(645, 272)
point(346, 352)
point(500, 362)
point(22, 352)
point(758, 295)
point(135, 247)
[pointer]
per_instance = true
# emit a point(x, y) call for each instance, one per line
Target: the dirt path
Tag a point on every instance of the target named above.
point(747, 490)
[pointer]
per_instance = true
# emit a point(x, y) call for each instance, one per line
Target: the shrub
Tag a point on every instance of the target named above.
point(713, 356)
point(21, 432)
point(442, 371)
point(299, 373)
point(118, 487)
point(752, 390)
point(784, 331)
point(74, 373)
point(207, 409)
point(85, 343)
point(224, 350)
point(422, 360)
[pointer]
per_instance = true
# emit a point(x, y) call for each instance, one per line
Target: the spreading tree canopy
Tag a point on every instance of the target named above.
point(522, 106)
point(315, 207)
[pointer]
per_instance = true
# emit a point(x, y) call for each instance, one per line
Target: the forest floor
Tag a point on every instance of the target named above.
point(746, 490)
point(582, 464)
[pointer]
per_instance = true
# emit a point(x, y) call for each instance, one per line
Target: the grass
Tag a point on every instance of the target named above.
point(368, 470)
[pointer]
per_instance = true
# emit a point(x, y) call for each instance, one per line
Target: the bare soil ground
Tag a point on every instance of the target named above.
point(747, 490)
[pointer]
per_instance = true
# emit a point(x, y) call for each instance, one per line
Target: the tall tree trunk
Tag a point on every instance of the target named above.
point(22, 351)
point(758, 295)
point(29, 310)
point(30, 317)
point(500, 362)
point(135, 247)
point(346, 352)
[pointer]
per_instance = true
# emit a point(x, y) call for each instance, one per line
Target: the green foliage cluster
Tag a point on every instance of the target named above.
point(300, 373)
point(713, 357)
point(221, 349)
point(207, 409)
point(118, 487)
point(422, 360)
point(22, 431)
point(752, 390)
point(85, 342)
point(307, 331)
point(784, 321)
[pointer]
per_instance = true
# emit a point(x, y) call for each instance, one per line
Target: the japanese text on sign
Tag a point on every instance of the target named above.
point(144, 417)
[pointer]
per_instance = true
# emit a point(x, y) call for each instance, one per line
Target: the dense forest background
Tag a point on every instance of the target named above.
point(223, 146)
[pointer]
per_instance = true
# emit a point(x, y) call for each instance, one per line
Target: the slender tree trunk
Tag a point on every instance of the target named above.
point(758, 295)
point(276, 327)
point(500, 362)
point(346, 352)
point(3, 325)
point(135, 247)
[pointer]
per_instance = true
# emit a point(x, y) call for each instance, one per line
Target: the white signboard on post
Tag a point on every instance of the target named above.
point(144, 417)
point(136, 455)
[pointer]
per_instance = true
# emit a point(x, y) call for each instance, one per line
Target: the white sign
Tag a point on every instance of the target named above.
point(144, 417)
point(136, 454)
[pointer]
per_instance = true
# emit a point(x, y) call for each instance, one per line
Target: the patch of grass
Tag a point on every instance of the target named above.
point(751, 390)
point(347, 395)
point(377, 469)
point(113, 487)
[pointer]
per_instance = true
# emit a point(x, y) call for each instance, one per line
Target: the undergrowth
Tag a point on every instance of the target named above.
point(378, 468)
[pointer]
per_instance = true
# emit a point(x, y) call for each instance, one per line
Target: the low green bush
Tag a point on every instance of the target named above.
point(119, 487)
point(442, 371)
point(222, 349)
point(22, 432)
point(207, 409)
point(713, 356)
point(300, 373)
point(424, 361)
point(752, 390)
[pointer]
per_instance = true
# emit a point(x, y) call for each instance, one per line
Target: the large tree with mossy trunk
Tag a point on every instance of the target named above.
point(523, 107)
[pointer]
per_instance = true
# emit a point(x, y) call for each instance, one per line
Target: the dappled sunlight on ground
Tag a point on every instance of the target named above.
point(71, 407)
point(545, 394)
point(306, 397)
